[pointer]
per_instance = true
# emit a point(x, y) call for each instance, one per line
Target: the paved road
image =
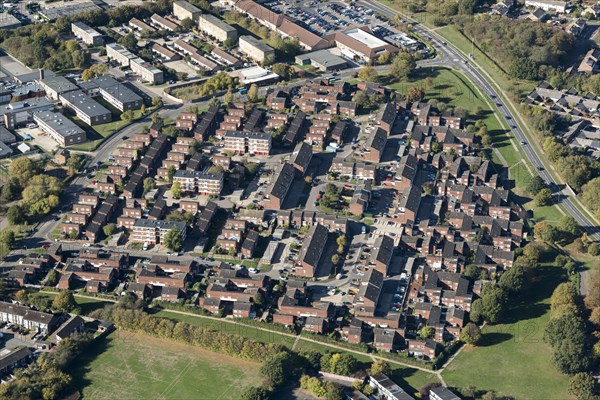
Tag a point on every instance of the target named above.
point(453, 58)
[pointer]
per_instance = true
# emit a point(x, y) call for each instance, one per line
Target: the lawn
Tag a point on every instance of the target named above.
point(411, 379)
point(513, 360)
point(130, 366)
point(86, 305)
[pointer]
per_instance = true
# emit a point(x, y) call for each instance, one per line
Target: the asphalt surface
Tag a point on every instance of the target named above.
point(451, 57)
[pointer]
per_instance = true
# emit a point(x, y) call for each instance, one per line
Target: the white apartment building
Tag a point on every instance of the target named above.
point(87, 35)
point(213, 26)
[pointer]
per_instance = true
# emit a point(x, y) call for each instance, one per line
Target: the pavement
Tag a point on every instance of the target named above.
point(451, 57)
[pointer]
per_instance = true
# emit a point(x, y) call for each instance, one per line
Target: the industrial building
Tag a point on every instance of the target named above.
point(86, 108)
point(60, 128)
point(114, 92)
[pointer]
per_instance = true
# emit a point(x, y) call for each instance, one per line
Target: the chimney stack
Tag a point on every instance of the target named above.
point(41, 74)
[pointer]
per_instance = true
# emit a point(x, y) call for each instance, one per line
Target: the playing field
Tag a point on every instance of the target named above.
point(130, 366)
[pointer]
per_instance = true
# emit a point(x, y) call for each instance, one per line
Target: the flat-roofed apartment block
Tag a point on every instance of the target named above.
point(86, 108)
point(312, 250)
point(248, 142)
point(362, 44)
point(55, 85)
point(86, 34)
point(148, 72)
point(201, 182)
point(182, 10)
point(114, 92)
point(280, 187)
point(154, 231)
point(119, 54)
point(213, 26)
point(164, 23)
point(60, 128)
point(255, 49)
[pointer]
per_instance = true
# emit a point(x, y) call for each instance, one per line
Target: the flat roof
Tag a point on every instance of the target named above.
point(9, 21)
point(54, 13)
point(85, 103)
point(115, 88)
point(219, 23)
point(59, 123)
point(88, 29)
point(59, 84)
point(253, 74)
point(324, 58)
point(365, 38)
point(29, 105)
point(186, 6)
point(256, 43)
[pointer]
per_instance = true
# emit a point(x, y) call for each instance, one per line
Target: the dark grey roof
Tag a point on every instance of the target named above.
point(85, 104)
point(59, 84)
point(74, 323)
point(26, 312)
point(59, 123)
point(313, 245)
point(377, 140)
point(283, 181)
point(301, 155)
point(388, 113)
point(113, 87)
point(383, 249)
point(13, 357)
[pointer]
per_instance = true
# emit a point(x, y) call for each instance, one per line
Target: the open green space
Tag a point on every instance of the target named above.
point(412, 379)
point(131, 366)
point(85, 304)
point(99, 133)
point(514, 360)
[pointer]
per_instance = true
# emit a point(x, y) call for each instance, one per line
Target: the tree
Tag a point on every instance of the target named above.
point(64, 301)
point(476, 313)
point(544, 231)
point(470, 334)
point(171, 173)
point(276, 369)
point(493, 303)
point(380, 367)
point(75, 163)
point(285, 71)
point(592, 298)
point(543, 198)
point(157, 102)
point(514, 280)
point(52, 278)
point(572, 356)
point(109, 229)
point(426, 332)
point(173, 239)
point(149, 184)
point(11, 190)
point(8, 238)
point(415, 93)
point(127, 115)
point(567, 225)
point(253, 93)
point(563, 300)
point(22, 296)
point(402, 66)
point(41, 194)
point(176, 190)
point(536, 184)
point(335, 259)
point(593, 248)
point(22, 169)
point(368, 74)
point(128, 41)
point(16, 215)
point(583, 386)
point(256, 393)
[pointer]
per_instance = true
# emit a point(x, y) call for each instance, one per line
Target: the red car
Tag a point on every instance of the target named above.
point(46, 246)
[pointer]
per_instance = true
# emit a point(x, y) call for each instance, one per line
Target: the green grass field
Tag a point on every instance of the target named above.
point(514, 360)
point(129, 366)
